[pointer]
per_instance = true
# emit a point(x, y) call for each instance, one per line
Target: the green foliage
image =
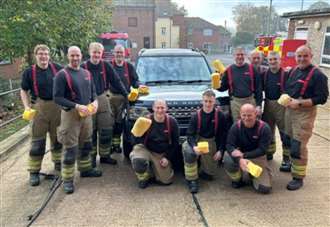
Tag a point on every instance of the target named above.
point(252, 19)
point(12, 128)
point(242, 38)
point(319, 5)
point(56, 23)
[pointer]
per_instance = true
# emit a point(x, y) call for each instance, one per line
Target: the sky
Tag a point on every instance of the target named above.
point(219, 11)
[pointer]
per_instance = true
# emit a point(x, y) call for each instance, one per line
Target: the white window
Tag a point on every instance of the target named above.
point(163, 44)
point(190, 45)
point(190, 31)
point(301, 33)
point(163, 29)
point(325, 54)
point(207, 32)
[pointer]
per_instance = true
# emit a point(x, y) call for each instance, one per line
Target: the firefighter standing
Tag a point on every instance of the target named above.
point(103, 75)
point(207, 125)
point(74, 90)
point(38, 81)
point(307, 86)
point(248, 140)
point(244, 84)
point(256, 58)
point(129, 78)
point(153, 151)
point(273, 85)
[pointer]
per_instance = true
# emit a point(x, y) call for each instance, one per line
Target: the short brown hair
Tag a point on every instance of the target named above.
point(40, 47)
point(209, 93)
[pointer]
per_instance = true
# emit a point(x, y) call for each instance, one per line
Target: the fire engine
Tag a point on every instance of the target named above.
point(285, 47)
point(111, 39)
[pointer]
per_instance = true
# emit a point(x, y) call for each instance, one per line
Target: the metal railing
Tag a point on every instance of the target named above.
point(15, 100)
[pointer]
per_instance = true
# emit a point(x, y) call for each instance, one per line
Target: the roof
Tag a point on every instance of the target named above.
point(168, 51)
point(308, 13)
point(199, 23)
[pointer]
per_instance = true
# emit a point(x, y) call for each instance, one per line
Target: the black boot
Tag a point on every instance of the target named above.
point(237, 184)
point(68, 187)
point(108, 160)
point(295, 184)
point(285, 166)
point(116, 149)
point(143, 184)
point(91, 173)
point(93, 160)
point(193, 186)
point(34, 179)
point(57, 166)
point(206, 176)
point(269, 157)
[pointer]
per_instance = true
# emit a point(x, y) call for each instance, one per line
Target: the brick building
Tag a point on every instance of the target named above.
point(202, 34)
point(314, 26)
point(137, 18)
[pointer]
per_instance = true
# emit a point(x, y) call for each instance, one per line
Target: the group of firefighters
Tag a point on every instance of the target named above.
point(81, 107)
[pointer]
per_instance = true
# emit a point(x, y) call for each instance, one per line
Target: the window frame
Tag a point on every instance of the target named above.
point(130, 20)
point(326, 34)
point(163, 30)
point(207, 32)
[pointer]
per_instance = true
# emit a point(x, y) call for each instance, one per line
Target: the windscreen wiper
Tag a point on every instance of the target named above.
point(197, 81)
point(163, 81)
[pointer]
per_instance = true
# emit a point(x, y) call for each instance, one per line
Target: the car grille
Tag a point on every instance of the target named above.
point(182, 113)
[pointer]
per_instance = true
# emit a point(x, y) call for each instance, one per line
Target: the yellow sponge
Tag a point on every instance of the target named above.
point(203, 147)
point(219, 67)
point(133, 94)
point(216, 80)
point(91, 109)
point(29, 114)
point(284, 100)
point(141, 125)
point(254, 169)
point(143, 90)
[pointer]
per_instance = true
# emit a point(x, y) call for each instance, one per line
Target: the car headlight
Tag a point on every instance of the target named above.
point(135, 112)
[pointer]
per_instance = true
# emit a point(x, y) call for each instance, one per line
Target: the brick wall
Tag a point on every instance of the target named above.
point(144, 28)
point(11, 71)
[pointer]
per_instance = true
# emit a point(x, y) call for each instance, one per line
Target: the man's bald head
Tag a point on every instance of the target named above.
point(159, 107)
point(160, 102)
point(256, 57)
point(74, 57)
point(248, 115)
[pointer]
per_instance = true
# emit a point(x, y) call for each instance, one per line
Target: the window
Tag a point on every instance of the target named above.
point(301, 33)
point(207, 32)
point(132, 22)
point(190, 31)
point(325, 54)
point(163, 44)
point(163, 31)
point(190, 45)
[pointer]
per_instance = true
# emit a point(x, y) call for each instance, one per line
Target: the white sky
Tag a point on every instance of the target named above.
point(217, 11)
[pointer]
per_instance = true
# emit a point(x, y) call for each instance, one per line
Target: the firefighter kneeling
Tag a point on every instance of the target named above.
point(208, 125)
point(247, 142)
point(153, 150)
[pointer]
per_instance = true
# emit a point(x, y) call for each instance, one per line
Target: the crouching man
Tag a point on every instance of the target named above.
point(248, 140)
point(153, 151)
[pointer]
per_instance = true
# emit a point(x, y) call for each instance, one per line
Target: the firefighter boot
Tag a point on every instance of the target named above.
point(57, 166)
point(91, 173)
point(193, 186)
point(34, 179)
point(108, 160)
point(295, 184)
point(68, 187)
point(285, 165)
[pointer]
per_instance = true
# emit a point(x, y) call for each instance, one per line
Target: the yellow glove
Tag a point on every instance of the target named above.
point(216, 80)
point(203, 147)
point(284, 100)
point(254, 169)
point(144, 90)
point(141, 125)
point(133, 95)
point(29, 114)
point(218, 65)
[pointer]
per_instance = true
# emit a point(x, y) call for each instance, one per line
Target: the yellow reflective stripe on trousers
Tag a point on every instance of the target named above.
point(142, 176)
point(299, 170)
point(56, 155)
point(67, 172)
point(286, 151)
point(271, 148)
point(235, 176)
point(191, 171)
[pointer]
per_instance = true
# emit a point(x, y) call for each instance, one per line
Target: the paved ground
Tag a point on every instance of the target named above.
point(114, 199)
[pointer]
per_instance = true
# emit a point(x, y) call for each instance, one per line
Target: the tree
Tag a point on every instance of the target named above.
point(319, 5)
point(242, 38)
point(56, 23)
point(255, 20)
